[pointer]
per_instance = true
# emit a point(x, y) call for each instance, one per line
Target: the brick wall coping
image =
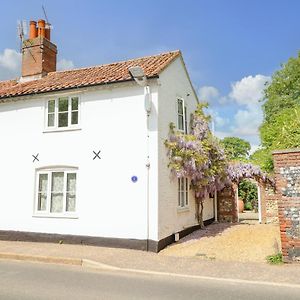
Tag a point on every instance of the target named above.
point(286, 151)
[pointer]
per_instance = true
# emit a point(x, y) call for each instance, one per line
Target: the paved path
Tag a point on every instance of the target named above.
point(23, 280)
point(140, 260)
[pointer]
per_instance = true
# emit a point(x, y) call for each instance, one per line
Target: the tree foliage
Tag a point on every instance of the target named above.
point(248, 192)
point(263, 158)
point(236, 148)
point(280, 128)
point(284, 90)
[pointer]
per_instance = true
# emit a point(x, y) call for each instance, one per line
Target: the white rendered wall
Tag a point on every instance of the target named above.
point(174, 83)
point(109, 204)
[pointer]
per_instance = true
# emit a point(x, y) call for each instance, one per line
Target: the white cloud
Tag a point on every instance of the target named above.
point(218, 120)
point(10, 64)
point(208, 94)
point(254, 148)
point(10, 59)
point(249, 90)
point(245, 121)
point(222, 134)
point(65, 64)
point(211, 95)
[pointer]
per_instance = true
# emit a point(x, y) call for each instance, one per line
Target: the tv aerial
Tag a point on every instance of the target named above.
point(22, 30)
point(48, 24)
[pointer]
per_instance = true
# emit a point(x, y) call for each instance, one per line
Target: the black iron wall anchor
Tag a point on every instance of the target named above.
point(35, 157)
point(97, 154)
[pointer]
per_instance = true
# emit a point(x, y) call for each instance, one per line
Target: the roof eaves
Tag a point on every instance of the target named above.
point(3, 98)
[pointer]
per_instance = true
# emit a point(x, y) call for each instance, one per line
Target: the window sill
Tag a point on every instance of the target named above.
point(56, 216)
point(183, 209)
point(61, 129)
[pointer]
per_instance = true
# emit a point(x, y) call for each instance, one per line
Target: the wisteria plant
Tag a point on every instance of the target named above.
point(200, 157)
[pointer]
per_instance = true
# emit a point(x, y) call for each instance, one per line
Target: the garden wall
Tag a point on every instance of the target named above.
point(287, 174)
point(271, 204)
point(227, 206)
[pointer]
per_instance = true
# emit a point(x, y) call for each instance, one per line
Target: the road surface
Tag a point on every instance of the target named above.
point(23, 280)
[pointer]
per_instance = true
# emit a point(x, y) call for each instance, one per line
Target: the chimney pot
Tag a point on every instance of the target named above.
point(41, 28)
point(47, 32)
point(32, 30)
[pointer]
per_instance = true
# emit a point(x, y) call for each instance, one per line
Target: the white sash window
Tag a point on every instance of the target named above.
point(56, 192)
point(62, 113)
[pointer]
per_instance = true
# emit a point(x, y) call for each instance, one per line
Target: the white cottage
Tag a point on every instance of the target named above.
point(82, 151)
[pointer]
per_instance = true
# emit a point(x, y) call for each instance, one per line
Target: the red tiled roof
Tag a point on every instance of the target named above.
point(110, 73)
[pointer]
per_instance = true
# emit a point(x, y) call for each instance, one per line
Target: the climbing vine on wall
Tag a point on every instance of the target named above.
point(200, 157)
point(197, 156)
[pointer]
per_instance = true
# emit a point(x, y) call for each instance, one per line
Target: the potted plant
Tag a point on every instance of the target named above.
point(241, 205)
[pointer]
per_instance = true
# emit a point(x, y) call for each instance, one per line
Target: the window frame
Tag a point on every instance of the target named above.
point(47, 212)
point(56, 113)
point(183, 115)
point(183, 202)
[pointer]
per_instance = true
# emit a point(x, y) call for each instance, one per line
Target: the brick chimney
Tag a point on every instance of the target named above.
point(38, 52)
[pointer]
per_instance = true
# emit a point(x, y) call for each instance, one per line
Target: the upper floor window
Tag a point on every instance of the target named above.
point(63, 112)
point(56, 192)
point(181, 115)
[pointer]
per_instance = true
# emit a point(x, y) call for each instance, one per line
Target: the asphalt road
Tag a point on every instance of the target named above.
point(23, 280)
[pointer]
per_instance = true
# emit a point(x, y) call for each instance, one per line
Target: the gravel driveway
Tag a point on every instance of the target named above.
point(229, 242)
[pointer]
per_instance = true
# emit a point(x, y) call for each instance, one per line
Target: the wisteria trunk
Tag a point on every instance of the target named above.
point(199, 211)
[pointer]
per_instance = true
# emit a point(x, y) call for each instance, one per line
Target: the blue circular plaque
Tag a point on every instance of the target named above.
point(134, 179)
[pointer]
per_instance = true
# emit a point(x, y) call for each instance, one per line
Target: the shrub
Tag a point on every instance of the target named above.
point(248, 206)
point(248, 191)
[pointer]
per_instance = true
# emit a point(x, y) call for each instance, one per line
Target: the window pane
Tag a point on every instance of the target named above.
point(182, 198)
point(63, 104)
point(75, 103)
point(56, 202)
point(180, 122)
point(42, 193)
point(57, 182)
point(51, 119)
point(74, 119)
point(180, 106)
point(43, 182)
point(71, 192)
point(186, 191)
point(71, 182)
point(71, 200)
point(51, 106)
point(178, 191)
point(42, 201)
point(63, 120)
point(57, 188)
point(185, 121)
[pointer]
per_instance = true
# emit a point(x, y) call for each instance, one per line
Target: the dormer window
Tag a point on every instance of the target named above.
point(62, 113)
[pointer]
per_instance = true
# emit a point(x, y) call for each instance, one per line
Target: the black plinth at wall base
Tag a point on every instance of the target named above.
point(153, 246)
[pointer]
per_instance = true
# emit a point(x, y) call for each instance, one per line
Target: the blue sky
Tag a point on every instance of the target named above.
point(231, 47)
